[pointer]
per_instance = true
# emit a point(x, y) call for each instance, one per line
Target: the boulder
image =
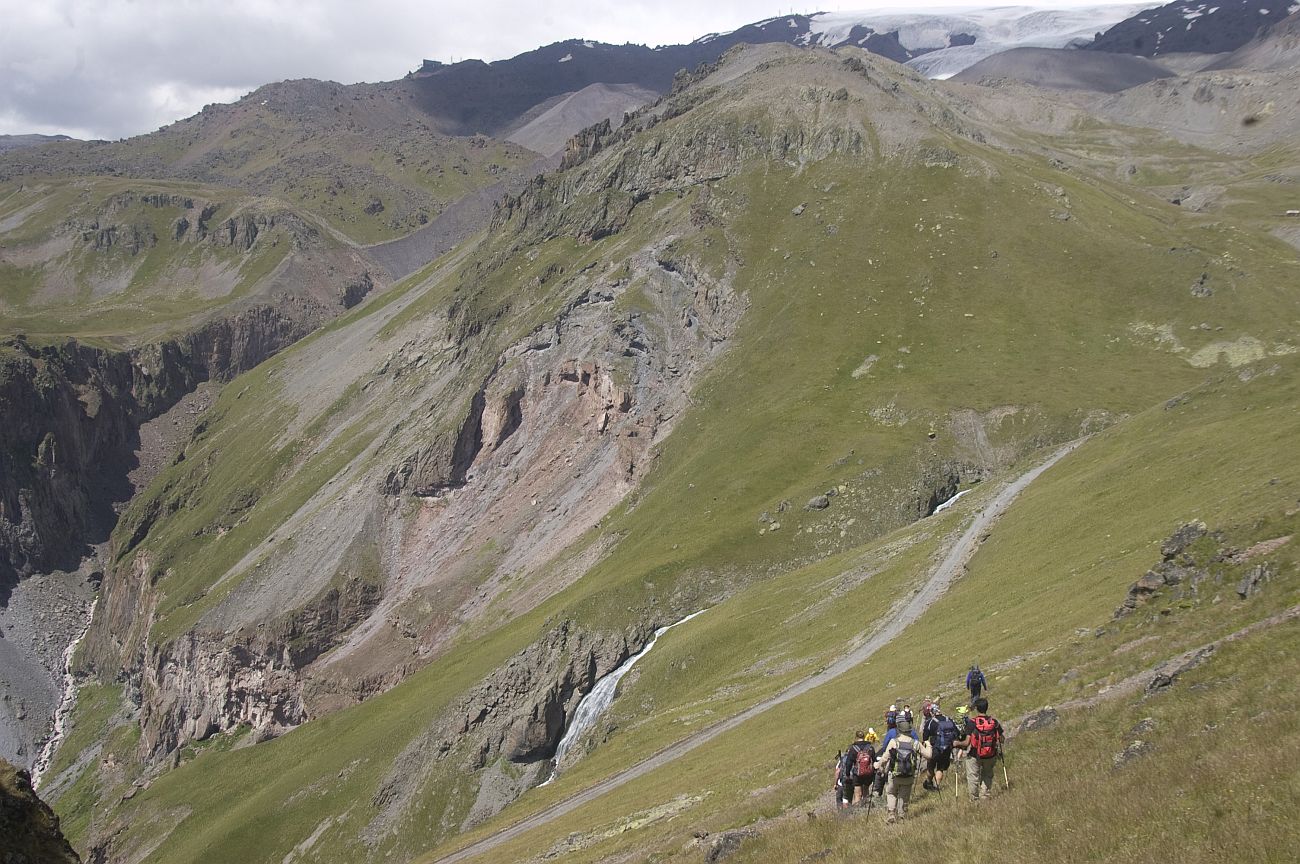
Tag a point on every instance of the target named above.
point(1167, 673)
point(728, 842)
point(1255, 577)
point(1040, 719)
point(817, 502)
point(1185, 536)
point(1133, 751)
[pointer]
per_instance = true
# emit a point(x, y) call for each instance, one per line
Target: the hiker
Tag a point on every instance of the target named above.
point(856, 771)
point(892, 716)
point(941, 734)
point(982, 744)
point(976, 683)
point(900, 758)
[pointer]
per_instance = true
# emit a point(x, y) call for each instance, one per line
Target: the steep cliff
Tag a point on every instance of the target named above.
point(28, 827)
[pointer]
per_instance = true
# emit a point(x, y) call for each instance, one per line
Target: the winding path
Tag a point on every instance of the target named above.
point(934, 587)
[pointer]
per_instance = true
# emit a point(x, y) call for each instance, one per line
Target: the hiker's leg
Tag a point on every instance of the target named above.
point(973, 777)
point(904, 795)
point(891, 795)
point(987, 771)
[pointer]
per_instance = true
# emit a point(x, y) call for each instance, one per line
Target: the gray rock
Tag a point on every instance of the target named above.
point(1253, 580)
point(1133, 751)
point(1167, 673)
point(1040, 719)
point(818, 502)
point(798, 211)
point(1145, 726)
point(727, 843)
point(1185, 536)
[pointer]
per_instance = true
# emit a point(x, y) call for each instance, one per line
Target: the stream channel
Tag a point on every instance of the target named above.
point(595, 703)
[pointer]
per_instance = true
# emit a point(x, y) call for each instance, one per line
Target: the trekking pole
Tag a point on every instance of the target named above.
point(1005, 779)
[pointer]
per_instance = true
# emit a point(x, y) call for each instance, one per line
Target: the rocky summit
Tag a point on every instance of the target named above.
point(563, 456)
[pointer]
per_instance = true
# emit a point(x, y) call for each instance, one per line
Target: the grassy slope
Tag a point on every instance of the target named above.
point(1050, 331)
point(1060, 560)
point(324, 147)
point(113, 295)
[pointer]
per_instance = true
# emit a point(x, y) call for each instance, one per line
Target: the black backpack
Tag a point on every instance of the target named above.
point(904, 762)
point(946, 733)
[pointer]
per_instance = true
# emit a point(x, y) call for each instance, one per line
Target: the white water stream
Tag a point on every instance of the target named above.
point(951, 501)
point(67, 702)
point(595, 703)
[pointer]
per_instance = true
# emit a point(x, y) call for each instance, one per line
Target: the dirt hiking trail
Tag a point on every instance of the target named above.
point(933, 588)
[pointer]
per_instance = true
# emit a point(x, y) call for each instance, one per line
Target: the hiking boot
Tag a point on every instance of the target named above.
point(889, 820)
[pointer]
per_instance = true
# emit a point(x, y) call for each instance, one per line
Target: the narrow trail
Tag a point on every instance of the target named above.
point(940, 579)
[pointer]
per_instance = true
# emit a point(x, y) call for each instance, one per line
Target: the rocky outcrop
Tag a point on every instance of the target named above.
point(29, 830)
point(69, 417)
point(517, 715)
point(1175, 568)
point(201, 685)
point(67, 413)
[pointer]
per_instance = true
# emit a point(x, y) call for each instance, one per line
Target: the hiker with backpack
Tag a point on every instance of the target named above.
point(976, 683)
point(900, 759)
point(941, 734)
point(856, 771)
point(982, 743)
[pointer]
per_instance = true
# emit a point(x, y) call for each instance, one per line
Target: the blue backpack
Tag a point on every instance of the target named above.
point(947, 733)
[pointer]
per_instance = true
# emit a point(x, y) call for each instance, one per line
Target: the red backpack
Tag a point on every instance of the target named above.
point(866, 763)
point(985, 740)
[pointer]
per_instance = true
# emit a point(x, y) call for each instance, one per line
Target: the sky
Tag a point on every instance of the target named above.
point(116, 68)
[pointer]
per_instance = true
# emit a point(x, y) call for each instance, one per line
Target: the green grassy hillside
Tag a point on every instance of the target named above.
point(921, 310)
point(363, 157)
point(112, 261)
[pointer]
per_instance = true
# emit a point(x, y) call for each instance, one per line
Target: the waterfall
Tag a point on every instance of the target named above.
point(951, 501)
point(594, 704)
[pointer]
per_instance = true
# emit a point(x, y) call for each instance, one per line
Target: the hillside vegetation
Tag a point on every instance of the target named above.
point(363, 157)
point(731, 357)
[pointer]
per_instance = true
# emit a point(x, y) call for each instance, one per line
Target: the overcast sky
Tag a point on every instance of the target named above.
point(114, 68)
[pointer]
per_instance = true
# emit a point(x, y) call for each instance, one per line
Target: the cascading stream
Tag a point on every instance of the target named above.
point(951, 501)
point(67, 701)
point(595, 703)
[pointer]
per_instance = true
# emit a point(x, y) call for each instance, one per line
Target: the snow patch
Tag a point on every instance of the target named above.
point(929, 34)
point(566, 58)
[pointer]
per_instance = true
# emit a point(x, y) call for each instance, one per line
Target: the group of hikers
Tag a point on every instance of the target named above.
point(873, 768)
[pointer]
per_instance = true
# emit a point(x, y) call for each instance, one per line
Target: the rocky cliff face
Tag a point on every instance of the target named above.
point(506, 730)
point(29, 830)
point(69, 417)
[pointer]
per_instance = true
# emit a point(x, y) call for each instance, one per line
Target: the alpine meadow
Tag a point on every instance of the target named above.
point(854, 435)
